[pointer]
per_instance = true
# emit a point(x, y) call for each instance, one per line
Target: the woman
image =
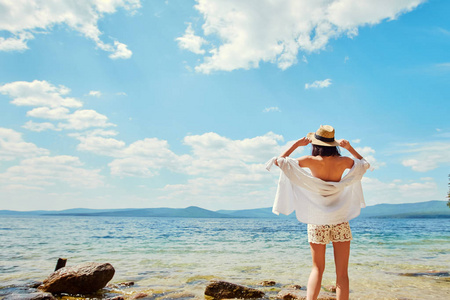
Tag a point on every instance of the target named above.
point(324, 200)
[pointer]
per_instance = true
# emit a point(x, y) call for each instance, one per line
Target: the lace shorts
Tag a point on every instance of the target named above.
point(323, 234)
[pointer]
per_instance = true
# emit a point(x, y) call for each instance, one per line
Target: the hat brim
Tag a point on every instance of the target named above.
point(317, 142)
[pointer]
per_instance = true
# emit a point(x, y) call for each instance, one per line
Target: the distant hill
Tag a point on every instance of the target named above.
point(163, 212)
point(251, 213)
point(189, 212)
point(429, 209)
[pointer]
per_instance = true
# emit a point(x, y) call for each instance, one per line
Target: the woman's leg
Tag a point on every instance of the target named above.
point(341, 256)
point(315, 278)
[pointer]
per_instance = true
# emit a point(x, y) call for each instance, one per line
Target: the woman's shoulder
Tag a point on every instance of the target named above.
point(347, 161)
point(307, 160)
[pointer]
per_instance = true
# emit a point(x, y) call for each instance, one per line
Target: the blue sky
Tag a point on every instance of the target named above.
point(111, 104)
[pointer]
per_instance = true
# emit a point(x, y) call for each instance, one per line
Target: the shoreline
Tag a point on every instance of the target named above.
point(194, 288)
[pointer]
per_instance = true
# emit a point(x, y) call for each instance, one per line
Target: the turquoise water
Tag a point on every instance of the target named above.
point(179, 256)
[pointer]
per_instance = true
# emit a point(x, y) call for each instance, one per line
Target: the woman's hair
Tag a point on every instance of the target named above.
point(325, 151)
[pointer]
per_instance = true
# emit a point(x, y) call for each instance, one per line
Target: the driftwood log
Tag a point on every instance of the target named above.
point(61, 263)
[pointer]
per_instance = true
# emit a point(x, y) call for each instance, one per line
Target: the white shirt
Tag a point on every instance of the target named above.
point(314, 200)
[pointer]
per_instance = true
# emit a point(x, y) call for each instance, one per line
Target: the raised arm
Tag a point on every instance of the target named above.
point(301, 142)
point(346, 145)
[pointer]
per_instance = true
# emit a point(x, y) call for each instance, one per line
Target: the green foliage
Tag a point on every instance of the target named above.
point(448, 201)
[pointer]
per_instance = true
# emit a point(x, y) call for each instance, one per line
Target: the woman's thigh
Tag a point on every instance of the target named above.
point(341, 256)
point(318, 255)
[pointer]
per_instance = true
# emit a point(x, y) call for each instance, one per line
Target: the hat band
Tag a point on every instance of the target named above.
point(324, 139)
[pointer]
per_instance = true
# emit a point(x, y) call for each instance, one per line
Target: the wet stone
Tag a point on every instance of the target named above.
point(267, 283)
point(116, 298)
point(80, 279)
point(427, 273)
point(31, 296)
point(140, 296)
point(293, 287)
point(296, 294)
point(121, 285)
point(33, 284)
point(228, 290)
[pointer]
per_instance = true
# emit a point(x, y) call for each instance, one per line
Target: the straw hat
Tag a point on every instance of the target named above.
point(324, 136)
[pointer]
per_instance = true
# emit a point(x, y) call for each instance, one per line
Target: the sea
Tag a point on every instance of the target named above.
point(175, 258)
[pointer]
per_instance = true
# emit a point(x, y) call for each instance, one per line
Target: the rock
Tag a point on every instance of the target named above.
point(120, 285)
point(330, 288)
point(139, 296)
point(227, 290)
point(32, 296)
point(177, 295)
point(295, 294)
point(127, 284)
point(116, 298)
point(290, 294)
point(81, 279)
point(293, 287)
point(427, 273)
point(267, 283)
point(33, 284)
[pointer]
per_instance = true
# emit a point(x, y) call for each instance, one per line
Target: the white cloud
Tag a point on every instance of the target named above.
point(241, 34)
point(95, 93)
point(397, 191)
point(133, 167)
point(95, 132)
point(144, 158)
point(121, 52)
point(38, 127)
point(212, 146)
point(368, 154)
point(227, 171)
point(45, 171)
point(218, 167)
point(13, 146)
point(318, 84)
point(53, 104)
point(38, 93)
point(16, 43)
point(101, 145)
point(271, 109)
point(25, 19)
point(426, 157)
point(190, 41)
point(78, 120)
point(57, 113)
point(228, 191)
point(84, 119)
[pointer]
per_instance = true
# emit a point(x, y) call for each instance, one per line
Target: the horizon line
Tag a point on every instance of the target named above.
point(56, 210)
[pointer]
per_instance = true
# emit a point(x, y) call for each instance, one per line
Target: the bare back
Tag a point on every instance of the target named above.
point(327, 168)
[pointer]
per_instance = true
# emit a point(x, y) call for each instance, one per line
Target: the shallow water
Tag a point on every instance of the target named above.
point(180, 255)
